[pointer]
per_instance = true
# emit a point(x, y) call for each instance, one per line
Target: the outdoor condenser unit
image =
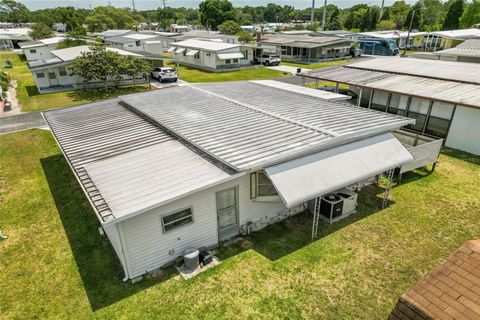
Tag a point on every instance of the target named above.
point(338, 204)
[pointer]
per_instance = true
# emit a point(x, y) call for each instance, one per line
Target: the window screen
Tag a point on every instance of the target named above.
point(52, 75)
point(265, 186)
point(177, 219)
point(418, 110)
point(398, 104)
point(40, 75)
point(379, 100)
point(439, 119)
point(33, 51)
point(62, 72)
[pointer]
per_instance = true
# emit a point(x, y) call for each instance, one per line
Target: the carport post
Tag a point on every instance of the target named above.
point(336, 87)
point(387, 189)
point(359, 97)
point(178, 70)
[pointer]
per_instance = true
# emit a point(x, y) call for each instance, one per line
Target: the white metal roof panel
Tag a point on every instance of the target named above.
point(435, 89)
point(152, 176)
point(436, 69)
point(327, 95)
point(247, 125)
point(180, 50)
point(205, 45)
point(233, 55)
point(305, 178)
point(97, 131)
point(192, 52)
point(139, 36)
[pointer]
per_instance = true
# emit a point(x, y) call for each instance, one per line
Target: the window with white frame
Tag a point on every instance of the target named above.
point(40, 75)
point(235, 60)
point(177, 219)
point(227, 61)
point(261, 186)
point(62, 71)
point(33, 51)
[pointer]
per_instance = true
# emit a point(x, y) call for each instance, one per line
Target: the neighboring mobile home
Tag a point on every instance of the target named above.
point(212, 55)
point(146, 42)
point(40, 49)
point(11, 38)
point(468, 51)
point(305, 48)
point(443, 96)
point(203, 163)
point(52, 74)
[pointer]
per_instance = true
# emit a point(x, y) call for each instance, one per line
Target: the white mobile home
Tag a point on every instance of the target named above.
point(212, 55)
point(305, 48)
point(53, 74)
point(141, 42)
point(443, 96)
point(11, 38)
point(40, 49)
point(203, 163)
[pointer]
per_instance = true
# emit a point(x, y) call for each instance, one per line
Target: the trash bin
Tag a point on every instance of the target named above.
point(299, 70)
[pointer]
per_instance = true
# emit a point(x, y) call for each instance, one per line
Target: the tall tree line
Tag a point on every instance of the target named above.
point(429, 15)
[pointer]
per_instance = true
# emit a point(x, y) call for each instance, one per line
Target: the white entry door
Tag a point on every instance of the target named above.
point(227, 213)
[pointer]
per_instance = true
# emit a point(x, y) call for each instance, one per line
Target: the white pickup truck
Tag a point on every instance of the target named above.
point(268, 59)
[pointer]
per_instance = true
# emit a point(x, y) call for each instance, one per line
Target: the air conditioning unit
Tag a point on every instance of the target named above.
point(338, 204)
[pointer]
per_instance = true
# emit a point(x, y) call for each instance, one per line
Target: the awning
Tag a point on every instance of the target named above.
point(180, 50)
point(234, 55)
point(303, 179)
point(171, 49)
point(192, 52)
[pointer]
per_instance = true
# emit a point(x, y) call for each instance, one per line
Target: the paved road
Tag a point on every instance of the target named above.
point(21, 122)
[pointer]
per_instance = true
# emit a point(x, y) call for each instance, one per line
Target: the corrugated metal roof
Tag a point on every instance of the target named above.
point(468, 48)
point(435, 69)
point(205, 45)
point(97, 131)
point(434, 89)
point(327, 95)
point(248, 125)
point(152, 176)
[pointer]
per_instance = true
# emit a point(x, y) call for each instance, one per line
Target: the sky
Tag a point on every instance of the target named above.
point(153, 4)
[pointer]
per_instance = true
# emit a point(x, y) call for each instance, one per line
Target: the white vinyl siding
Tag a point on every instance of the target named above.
point(464, 130)
point(148, 246)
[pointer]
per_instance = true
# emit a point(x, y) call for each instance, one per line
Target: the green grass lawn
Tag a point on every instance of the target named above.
point(55, 265)
point(318, 65)
point(196, 75)
point(31, 100)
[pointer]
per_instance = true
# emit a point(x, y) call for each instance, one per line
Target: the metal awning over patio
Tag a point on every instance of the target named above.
point(233, 55)
point(180, 50)
point(192, 52)
point(306, 178)
point(171, 49)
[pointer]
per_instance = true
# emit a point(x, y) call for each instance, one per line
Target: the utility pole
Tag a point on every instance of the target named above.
point(312, 14)
point(163, 4)
point(133, 4)
point(324, 16)
point(381, 10)
point(408, 34)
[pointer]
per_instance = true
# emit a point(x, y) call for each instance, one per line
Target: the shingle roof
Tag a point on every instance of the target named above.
point(451, 291)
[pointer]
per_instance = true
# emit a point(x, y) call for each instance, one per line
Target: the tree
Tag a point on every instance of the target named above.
point(40, 31)
point(135, 68)
point(386, 25)
point(334, 20)
point(229, 27)
point(12, 11)
point(74, 38)
point(68, 15)
point(314, 26)
point(432, 19)
point(398, 13)
point(471, 15)
point(99, 23)
point(4, 83)
point(452, 19)
point(215, 12)
point(103, 18)
point(299, 27)
point(97, 64)
point(417, 17)
point(244, 36)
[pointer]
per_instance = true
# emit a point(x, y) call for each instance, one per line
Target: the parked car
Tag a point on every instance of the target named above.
point(268, 59)
point(164, 74)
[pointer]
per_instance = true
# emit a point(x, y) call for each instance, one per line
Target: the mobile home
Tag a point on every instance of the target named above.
point(203, 163)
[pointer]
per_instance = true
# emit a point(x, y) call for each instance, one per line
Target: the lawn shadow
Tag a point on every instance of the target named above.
point(285, 237)
point(32, 91)
point(461, 155)
point(97, 263)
